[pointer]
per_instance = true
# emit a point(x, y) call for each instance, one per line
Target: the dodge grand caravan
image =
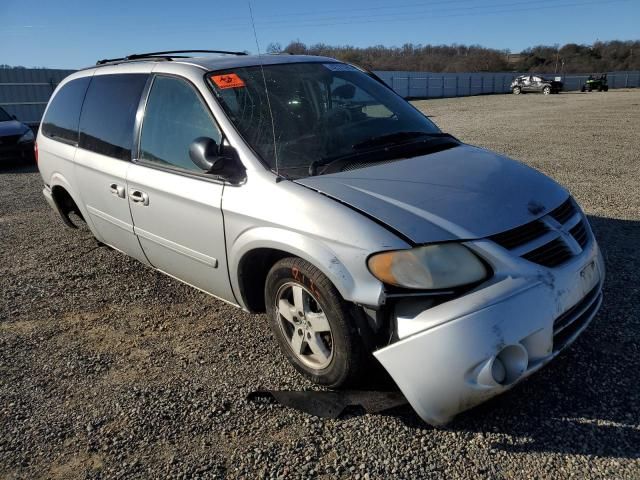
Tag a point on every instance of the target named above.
point(305, 188)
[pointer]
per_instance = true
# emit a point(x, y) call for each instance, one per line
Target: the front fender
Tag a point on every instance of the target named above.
point(329, 259)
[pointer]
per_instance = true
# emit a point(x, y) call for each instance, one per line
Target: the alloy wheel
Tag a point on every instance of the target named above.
point(304, 325)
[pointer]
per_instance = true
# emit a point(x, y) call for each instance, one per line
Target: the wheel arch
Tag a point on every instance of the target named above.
point(256, 251)
point(62, 191)
point(65, 198)
point(65, 204)
point(252, 272)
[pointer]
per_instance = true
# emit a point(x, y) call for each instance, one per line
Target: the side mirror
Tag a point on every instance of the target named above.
point(205, 153)
point(213, 158)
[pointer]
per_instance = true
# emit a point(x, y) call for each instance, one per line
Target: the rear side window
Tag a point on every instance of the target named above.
point(63, 114)
point(108, 114)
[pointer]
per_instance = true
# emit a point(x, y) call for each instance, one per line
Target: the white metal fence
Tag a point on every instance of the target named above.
point(25, 92)
point(438, 85)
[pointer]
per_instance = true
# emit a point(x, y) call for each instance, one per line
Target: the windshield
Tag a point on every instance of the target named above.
point(321, 111)
point(4, 116)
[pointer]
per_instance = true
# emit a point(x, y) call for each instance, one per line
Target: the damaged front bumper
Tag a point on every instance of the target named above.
point(459, 354)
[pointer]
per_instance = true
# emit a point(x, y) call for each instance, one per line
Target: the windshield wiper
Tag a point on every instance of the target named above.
point(394, 139)
point(405, 149)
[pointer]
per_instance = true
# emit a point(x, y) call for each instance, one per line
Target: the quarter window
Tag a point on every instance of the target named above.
point(61, 120)
point(108, 114)
point(175, 116)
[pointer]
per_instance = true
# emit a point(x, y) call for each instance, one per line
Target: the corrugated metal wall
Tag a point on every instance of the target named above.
point(25, 92)
point(438, 85)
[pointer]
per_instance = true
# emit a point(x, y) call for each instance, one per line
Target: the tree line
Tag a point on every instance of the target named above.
point(569, 58)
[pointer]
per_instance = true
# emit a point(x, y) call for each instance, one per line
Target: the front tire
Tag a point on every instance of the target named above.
point(313, 324)
point(546, 90)
point(517, 91)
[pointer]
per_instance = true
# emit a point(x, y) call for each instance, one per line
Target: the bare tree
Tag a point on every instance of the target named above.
point(572, 58)
point(274, 48)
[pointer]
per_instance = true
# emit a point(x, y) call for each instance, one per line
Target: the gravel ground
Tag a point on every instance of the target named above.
point(108, 369)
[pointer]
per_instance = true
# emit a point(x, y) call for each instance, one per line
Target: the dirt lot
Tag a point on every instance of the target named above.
point(108, 369)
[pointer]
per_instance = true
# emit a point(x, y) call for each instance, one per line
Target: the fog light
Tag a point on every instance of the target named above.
point(503, 369)
point(514, 359)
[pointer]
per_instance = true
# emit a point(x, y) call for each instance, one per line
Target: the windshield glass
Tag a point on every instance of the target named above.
point(321, 111)
point(4, 116)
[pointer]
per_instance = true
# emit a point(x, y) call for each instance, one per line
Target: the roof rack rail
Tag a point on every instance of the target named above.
point(166, 54)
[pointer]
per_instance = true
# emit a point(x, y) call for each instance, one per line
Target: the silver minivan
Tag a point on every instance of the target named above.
point(306, 188)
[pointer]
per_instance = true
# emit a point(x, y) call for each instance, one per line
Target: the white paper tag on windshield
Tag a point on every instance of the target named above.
point(340, 67)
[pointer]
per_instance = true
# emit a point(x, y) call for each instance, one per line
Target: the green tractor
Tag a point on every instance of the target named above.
point(599, 84)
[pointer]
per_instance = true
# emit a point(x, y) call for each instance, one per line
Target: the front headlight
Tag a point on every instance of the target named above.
point(27, 136)
point(438, 266)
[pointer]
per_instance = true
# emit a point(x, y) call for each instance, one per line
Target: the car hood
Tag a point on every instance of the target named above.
point(12, 127)
point(461, 193)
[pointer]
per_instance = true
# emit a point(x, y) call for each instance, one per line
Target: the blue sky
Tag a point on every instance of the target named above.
point(75, 33)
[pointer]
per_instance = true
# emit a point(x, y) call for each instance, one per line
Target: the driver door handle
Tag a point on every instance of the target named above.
point(139, 197)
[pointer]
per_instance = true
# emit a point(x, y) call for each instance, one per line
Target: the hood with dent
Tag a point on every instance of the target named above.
point(12, 127)
point(461, 193)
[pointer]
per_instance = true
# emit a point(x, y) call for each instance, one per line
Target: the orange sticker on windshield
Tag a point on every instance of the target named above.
point(228, 80)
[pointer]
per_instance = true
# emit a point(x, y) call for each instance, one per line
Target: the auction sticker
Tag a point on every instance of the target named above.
point(228, 80)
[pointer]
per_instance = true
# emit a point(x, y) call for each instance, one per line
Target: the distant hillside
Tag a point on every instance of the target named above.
point(599, 57)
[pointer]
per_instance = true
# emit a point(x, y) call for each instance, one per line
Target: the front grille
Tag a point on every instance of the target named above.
point(573, 320)
point(547, 241)
point(579, 232)
point(11, 152)
point(564, 212)
point(9, 140)
point(550, 254)
point(521, 235)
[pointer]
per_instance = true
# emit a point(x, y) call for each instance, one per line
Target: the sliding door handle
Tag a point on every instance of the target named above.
point(117, 190)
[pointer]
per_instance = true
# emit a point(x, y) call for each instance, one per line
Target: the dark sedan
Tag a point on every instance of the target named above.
point(16, 139)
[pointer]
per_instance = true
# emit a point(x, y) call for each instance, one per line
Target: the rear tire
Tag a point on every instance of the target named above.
point(546, 90)
point(583, 89)
point(517, 90)
point(314, 326)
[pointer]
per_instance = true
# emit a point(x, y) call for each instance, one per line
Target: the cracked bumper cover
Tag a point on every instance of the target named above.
point(440, 368)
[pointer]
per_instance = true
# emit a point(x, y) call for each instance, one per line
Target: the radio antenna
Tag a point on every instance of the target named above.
point(266, 89)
